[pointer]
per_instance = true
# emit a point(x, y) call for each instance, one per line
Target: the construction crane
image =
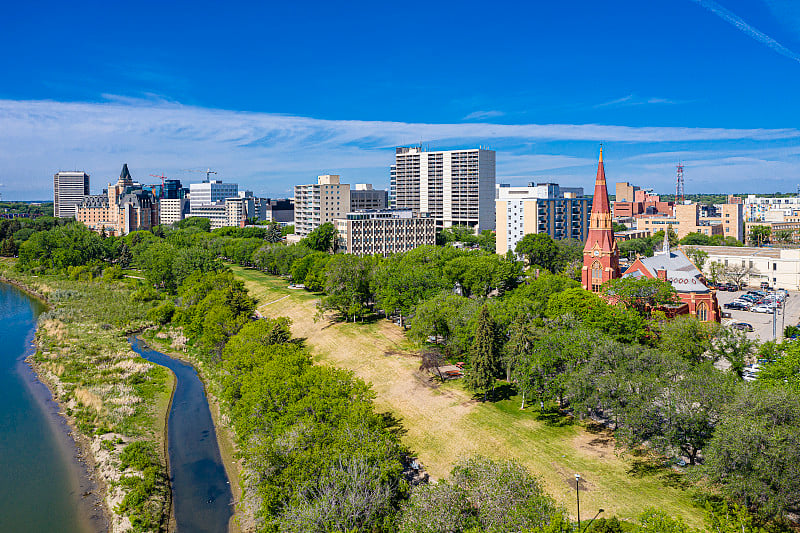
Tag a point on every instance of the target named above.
point(162, 178)
point(207, 172)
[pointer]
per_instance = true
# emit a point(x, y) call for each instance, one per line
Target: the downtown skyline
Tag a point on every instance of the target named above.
point(708, 83)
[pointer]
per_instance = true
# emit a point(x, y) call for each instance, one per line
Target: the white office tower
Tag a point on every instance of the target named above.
point(209, 192)
point(456, 187)
point(318, 203)
point(69, 188)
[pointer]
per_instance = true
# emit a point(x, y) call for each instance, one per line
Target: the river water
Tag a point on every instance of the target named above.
point(200, 489)
point(40, 483)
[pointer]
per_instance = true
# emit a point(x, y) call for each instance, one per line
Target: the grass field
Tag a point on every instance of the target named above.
point(443, 423)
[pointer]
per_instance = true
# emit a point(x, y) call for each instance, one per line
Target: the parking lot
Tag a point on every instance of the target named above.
point(762, 322)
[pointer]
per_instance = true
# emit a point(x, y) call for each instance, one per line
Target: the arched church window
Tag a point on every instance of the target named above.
point(702, 311)
point(597, 276)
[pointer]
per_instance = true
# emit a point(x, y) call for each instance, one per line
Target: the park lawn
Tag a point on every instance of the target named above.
point(442, 423)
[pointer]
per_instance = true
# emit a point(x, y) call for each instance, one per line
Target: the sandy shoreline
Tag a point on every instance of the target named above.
point(76, 447)
point(91, 486)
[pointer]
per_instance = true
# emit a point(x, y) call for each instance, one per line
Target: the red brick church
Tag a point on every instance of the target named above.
point(601, 261)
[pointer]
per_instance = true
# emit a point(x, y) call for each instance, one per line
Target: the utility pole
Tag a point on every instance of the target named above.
point(578, 498)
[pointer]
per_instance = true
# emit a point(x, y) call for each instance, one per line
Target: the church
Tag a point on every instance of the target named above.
point(601, 262)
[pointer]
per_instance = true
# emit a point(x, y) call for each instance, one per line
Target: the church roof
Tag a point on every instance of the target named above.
point(681, 272)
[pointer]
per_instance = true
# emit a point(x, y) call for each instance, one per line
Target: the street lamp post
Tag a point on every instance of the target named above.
point(578, 498)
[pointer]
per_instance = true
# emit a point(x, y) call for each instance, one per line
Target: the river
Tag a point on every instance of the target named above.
point(41, 482)
point(200, 489)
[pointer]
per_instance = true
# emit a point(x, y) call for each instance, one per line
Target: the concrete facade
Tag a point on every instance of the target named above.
point(778, 267)
point(562, 213)
point(209, 192)
point(69, 188)
point(455, 187)
point(318, 203)
point(384, 231)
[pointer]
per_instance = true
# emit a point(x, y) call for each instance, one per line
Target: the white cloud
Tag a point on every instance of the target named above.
point(483, 115)
point(739, 23)
point(269, 152)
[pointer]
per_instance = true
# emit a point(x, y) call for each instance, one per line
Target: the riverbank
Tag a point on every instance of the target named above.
point(243, 519)
point(107, 396)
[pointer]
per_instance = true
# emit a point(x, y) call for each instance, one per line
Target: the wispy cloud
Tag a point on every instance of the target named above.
point(269, 152)
point(633, 100)
point(747, 28)
point(483, 115)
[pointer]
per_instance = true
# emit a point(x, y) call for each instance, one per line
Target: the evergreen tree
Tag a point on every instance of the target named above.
point(484, 355)
point(125, 256)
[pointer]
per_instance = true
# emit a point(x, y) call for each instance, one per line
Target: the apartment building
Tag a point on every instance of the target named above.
point(731, 217)
point(318, 203)
point(384, 231)
point(561, 212)
point(761, 209)
point(456, 187)
point(69, 188)
point(171, 210)
point(363, 196)
point(209, 192)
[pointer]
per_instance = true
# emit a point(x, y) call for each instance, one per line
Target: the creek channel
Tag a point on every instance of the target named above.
point(201, 492)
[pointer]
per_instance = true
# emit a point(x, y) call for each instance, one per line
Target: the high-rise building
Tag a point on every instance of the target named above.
point(318, 203)
point(209, 192)
point(561, 212)
point(600, 254)
point(384, 231)
point(455, 187)
point(69, 188)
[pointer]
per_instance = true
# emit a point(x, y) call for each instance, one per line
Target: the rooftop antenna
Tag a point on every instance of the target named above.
point(679, 193)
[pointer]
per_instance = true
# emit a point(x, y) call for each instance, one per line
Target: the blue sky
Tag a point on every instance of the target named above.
point(271, 94)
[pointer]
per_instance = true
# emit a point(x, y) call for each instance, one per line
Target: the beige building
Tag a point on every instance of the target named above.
point(562, 213)
point(778, 267)
point(732, 220)
point(318, 203)
point(686, 220)
point(124, 208)
point(456, 187)
point(384, 231)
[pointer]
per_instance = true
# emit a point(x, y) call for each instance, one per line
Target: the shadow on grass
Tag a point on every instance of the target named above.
point(553, 416)
point(644, 465)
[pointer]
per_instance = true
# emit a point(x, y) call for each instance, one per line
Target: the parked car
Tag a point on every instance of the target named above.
point(743, 326)
point(749, 298)
point(765, 285)
point(731, 287)
point(737, 305)
point(761, 309)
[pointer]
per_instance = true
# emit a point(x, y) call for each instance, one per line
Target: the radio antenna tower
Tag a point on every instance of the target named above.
point(679, 194)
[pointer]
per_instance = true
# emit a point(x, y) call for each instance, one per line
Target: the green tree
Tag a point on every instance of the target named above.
point(322, 239)
point(642, 294)
point(754, 456)
point(484, 360)
point(716, 271)
point(540, 250)
point(347, 286)
point(697, 256)
point(759, 235)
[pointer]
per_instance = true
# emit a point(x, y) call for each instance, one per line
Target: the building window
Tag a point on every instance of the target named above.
point(702, 311)
point(597, 276)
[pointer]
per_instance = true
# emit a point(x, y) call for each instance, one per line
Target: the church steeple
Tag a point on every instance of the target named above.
point(600, 254)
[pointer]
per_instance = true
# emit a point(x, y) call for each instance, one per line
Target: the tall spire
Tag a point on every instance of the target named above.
point(600, 254)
